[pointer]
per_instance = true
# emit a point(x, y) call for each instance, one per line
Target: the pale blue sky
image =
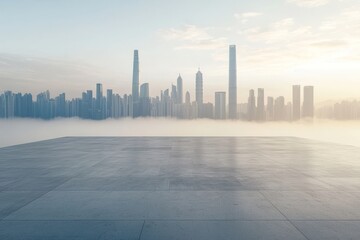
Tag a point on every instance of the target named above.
point(70, 45)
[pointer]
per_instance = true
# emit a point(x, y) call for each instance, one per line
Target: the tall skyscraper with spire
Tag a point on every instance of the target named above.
point(135, 80)
point(199, 88)
point(232, 83)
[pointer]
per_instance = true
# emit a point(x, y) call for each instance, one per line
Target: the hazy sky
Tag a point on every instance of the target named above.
point(70, 45)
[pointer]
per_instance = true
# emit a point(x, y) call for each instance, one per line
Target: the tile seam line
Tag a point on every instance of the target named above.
point(291, 223)
point(44, 193)
point(142, 228)
point(4, 218)
point(179, 220)
point(149, 219)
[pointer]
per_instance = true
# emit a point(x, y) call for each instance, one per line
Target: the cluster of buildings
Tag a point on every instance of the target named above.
point(277, 109)
point(172, 102)
point(345, 110)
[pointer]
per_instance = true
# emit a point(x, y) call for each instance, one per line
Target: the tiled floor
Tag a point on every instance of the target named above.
point(180, 188)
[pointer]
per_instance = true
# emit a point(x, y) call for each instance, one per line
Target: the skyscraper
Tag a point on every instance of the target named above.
point(187, 98)
point(135, 80)
point(260, 105)
point(173, 93)
point(279, 109)
point(144, 101)
point(296, 106)
point(251, 106)
point(199, 88)
point(99, 96)
point(9, 105)
point(220, 105)
point(135, 111)
point(308, 105)
point(60, 105)
point(179, 90)
point(270, 109)
point(109, 103)
point(144, 90)
point(232, 83)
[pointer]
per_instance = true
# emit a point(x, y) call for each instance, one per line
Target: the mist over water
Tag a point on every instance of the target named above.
point(18, 131)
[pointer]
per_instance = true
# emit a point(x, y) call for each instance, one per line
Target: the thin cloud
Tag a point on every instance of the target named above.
point(28, 73)
point(244, 17)
point(309, 3)
point(281, 31)
point(329, 43)
point(287, 43)
point(193, 37)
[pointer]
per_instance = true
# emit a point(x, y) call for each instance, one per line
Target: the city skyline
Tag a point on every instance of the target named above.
point(279, 44)
point(168, 104)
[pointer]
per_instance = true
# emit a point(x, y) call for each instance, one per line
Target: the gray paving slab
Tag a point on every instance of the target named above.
point(205, 183)
point(6, 181)
point(115, 184)
point(80, 230)
point(12, 201)
point(35, 184)
point(316, 205)
point(214, 230)
point(329, 230)
point(134, 205)
point(342, 183)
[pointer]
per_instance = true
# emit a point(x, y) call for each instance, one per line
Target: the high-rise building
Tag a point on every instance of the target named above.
point(207, 110)
point(144, 90)
point(9, 104)
point(260, 105)
point(179, 90)
point(99, 101)
point(288, 111)
point(279, 109)
point(27, 105)
point(135, 105)
point(251, 113)
point(308, 105)
point(296, 103)
point(187, 98)
point(270, 109)
point(42, 107)
point(173, 93)
point(17, 104)
point(220, 105)
point(135, 80)
point(60, 105)
point(109, 103)
point(199, 88)
point(144, 101)
point(232, 83)
point(99, 95)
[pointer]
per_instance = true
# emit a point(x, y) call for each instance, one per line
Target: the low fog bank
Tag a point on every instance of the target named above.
point(20, 131)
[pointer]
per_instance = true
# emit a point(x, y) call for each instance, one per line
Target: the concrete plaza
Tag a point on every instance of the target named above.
point(200, 188)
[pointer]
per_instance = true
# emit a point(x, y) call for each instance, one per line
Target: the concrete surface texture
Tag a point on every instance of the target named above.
point(180, 188)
